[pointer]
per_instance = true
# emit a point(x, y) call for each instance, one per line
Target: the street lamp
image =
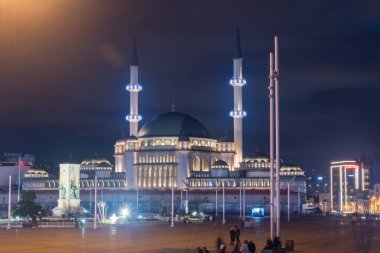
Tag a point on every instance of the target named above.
point(95, 198)
point(172, 220)
point(9, 202)
point(224, 209)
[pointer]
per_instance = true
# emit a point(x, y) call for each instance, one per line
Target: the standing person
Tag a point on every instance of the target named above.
point(232, 236)
point(237, 235)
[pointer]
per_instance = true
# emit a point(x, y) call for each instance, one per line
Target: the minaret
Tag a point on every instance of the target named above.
point(134, 88)
point(238, 113)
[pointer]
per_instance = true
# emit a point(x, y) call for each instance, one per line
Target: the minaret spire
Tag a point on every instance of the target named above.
point(237, 53)
point(237, 82)
point(134, 58)
point(134, 88)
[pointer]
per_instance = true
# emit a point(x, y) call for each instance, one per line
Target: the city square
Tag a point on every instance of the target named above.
point(310, 234)
point(176, 126)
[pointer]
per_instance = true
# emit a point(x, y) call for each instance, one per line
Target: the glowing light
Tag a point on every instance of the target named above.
point(125, 212)
point(238, 81)
point(131, 117)
point(133, 87)
point(320, 178)
point(238, 113)
point(113, 219)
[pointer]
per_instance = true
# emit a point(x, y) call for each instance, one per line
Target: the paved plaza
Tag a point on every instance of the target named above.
point(310, 235)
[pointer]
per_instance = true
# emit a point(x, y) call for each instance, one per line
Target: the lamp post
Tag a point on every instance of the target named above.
point(9, 202)
point(216, 198)
point(137, 201)
point(243, 200)
point(172, 220)
point(19, 180)
point(90, 199)
point(95, 207)
point(224, 209)
point(240, 215)
point(288, 201)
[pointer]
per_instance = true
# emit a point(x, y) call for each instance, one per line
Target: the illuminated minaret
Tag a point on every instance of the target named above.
point(238, 113)
point(134, 88)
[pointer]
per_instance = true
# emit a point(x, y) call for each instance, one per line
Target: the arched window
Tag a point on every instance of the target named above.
point(196, 164)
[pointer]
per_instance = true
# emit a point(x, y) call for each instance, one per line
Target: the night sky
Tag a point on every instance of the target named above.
point(64, 66)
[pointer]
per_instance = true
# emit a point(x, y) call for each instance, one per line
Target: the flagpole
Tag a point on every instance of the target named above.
point(271, 145)
point(9, 202)
point(277, 115)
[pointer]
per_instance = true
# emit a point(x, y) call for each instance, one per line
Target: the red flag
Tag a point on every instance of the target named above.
point(21, 163)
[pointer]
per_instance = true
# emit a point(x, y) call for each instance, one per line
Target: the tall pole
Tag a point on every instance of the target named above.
point(276, 81)
point(137, 201)
point(298, 201)
point(243, 201)
point(216, 198)
point(19, 180)
point(288, 201)
point(271, 145)
point(9, 202)
point(224, 209)
point(90, 200)
point(240, 214)
point(95, 207)
point(172, 220)
point(181, 200)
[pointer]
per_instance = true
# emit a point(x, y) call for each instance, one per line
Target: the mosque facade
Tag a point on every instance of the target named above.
point(175, 151)
point(173, 146)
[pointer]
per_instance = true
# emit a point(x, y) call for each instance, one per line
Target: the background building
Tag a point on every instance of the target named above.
point(350, 181)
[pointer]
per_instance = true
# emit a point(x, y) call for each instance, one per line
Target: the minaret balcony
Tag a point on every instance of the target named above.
point(238, 82)
point(238, 114)
point(131, 117)
point(133, 87)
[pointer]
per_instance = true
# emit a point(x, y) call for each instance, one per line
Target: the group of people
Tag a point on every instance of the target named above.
point(246, 247)
point(235, 236)
point(275, 244)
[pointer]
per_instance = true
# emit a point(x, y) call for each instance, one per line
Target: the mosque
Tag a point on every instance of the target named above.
point(175, 151)
point(173, 145)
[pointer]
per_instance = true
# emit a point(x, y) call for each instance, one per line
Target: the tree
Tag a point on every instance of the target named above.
point(27, 205)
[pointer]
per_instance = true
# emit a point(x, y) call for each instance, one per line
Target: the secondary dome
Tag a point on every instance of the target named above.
point(173, 124)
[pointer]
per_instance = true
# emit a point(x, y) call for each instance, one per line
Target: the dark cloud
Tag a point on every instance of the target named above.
point(64, 67)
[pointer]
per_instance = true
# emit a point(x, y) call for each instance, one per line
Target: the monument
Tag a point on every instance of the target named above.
point(68, 201)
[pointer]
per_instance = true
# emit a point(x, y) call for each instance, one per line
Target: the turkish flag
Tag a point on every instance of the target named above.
point(21, 163)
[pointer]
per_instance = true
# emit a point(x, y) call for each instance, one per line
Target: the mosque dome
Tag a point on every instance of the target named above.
point(257, 157)
point(219, 164)
point(290, 167)
point(96, 163)
point(173, 124)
